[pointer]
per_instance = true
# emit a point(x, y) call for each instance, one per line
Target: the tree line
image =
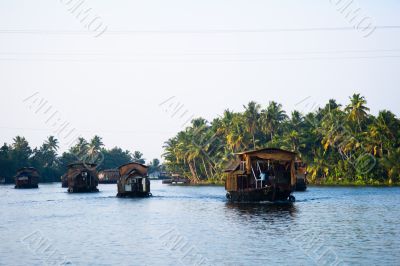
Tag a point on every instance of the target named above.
point(51, 165)
point(340, 144)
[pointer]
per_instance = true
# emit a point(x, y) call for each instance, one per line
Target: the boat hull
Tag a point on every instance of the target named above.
point(133, 194)
point(257, 195)
point(301, 185)
point(82, 189)
point(26, 186)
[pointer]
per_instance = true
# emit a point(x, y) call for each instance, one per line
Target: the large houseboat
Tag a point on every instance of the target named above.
point(27, 177)
point(133, 181)
point(82, 177)
point(262, 175)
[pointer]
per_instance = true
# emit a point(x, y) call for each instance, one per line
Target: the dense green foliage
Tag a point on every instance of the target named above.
point(340, 144)
point(51, 166)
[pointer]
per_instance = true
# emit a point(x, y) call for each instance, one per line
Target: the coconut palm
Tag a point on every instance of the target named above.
point(138, 157)
point(252, 115)
point(271, 118)
point(52, 143)
point(391, 163)
point(357, 111)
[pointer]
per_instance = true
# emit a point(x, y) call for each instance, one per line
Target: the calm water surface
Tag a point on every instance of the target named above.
point(195, 225)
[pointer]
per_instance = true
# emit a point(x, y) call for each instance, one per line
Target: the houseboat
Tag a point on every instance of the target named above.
point(301, 176)
point(164, 175)
point(261, 175)
point(133, 181)
point(82, 177)
point(27, 177)
point(109, 176)
point(176, 179)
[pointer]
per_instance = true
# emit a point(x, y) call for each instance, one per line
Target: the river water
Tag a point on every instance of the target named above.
point(182, 225)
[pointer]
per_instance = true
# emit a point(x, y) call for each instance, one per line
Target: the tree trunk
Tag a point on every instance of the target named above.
point(194, 177)
point(205, 168)
point(195, 171)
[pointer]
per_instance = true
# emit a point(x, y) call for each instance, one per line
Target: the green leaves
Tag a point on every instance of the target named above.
point(340, 145)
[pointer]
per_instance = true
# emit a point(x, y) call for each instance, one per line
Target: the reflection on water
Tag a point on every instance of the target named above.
point(264, 210)
point(357, 226)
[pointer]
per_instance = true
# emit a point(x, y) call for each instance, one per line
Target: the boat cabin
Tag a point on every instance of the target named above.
point(82, 177)
point(133, 181)
point(27, 177)
point(261, 175)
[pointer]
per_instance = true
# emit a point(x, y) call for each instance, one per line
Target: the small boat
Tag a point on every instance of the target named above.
point(261, 175)
point(109, 176)
point(176, 179)
point(301, 176)
point(164, 175)
point(27, 177)
point(82, 177)
point(133, 181)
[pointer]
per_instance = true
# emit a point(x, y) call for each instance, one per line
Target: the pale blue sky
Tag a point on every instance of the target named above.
point(113, 85)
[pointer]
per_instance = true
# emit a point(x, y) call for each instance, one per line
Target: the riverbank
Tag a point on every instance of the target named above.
point(343, 183)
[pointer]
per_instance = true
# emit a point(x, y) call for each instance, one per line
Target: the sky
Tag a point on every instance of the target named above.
point(134, 72)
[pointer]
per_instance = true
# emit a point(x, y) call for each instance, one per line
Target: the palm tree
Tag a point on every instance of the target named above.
point(96, 143)
point(252, 115)
point(52, 143)
point(226, 122)
point(296, 120)
point(319, 166)
point(80, 149)
point(357, 111)
point(95, 146)
point(328, 140)
point(138, 157)
point(391, 163)
point(21, 150)
point(236, 138)
point(271, 118)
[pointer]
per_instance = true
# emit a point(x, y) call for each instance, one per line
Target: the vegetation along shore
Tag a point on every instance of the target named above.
point(341, 144)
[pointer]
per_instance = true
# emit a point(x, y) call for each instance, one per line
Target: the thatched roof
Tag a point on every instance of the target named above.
point(30, 171)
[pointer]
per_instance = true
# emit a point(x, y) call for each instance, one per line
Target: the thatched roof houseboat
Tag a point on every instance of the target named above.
point(82, 177)
point(133, 181)
point(27, 177)
point(261, 175)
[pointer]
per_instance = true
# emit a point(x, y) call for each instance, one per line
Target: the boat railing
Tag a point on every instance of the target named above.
point(256, 179)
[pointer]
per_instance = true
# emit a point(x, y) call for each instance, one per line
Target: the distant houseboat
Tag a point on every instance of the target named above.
point(109, 176)
point(301, 176)
point(27, 177)
point(262, 175)
point(82, 177)
point(133, 181)
point(164, 175)
point(176, 179)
